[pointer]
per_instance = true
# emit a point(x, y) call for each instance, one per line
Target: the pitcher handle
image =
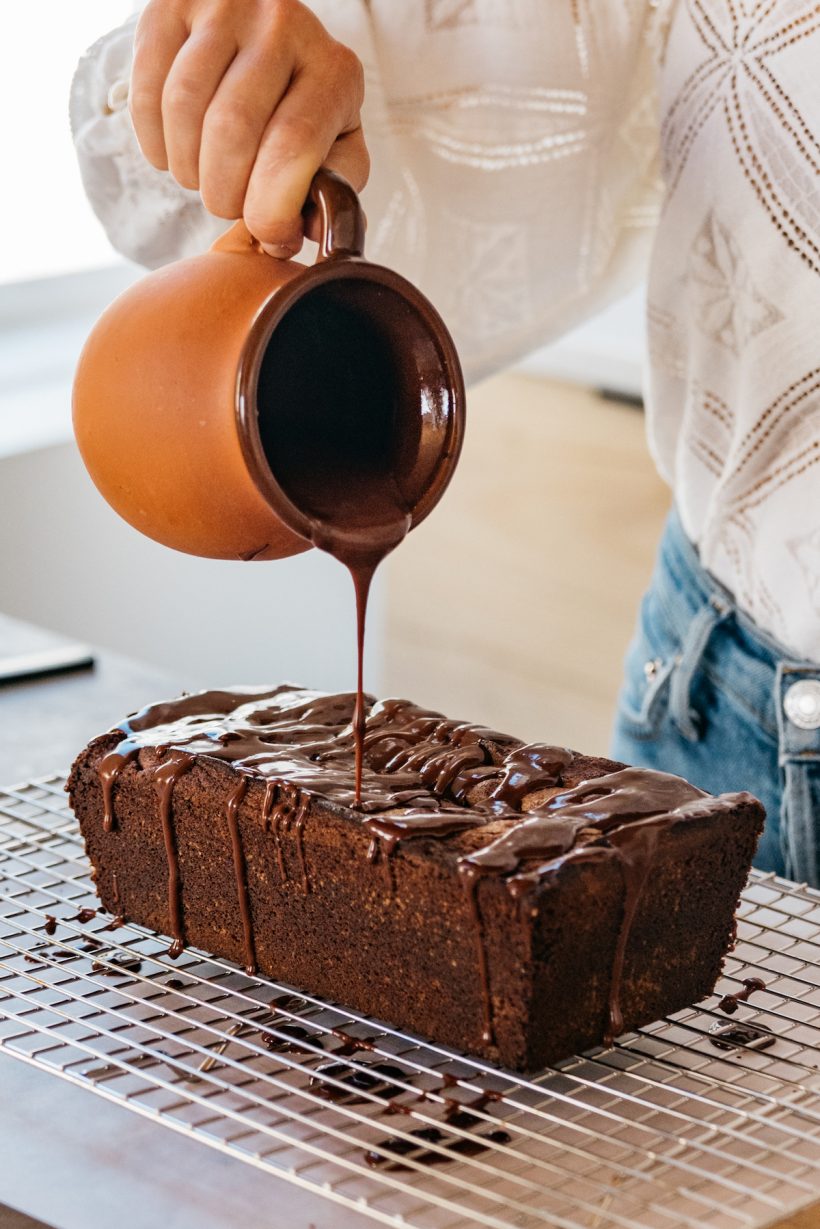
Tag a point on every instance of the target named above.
point(340, 214)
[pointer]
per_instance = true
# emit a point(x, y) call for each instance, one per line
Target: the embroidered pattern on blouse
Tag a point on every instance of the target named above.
point(724, 301)
point(451, 14)
point(737, 77)
point(782, 444)
point(492, 255)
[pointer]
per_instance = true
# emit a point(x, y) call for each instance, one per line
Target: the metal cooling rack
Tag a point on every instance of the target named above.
point(664, 1130)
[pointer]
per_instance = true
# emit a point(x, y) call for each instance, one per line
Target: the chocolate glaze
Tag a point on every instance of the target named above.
point(422, 776)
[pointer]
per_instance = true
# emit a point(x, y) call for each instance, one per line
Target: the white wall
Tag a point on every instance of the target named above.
point(68, 562)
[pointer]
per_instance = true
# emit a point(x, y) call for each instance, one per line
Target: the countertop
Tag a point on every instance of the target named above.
point(46, 721)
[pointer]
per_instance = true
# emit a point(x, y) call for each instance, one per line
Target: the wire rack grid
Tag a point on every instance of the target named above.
point(682, 1125)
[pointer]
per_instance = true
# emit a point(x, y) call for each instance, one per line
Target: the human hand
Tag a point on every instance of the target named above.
point(245, 100)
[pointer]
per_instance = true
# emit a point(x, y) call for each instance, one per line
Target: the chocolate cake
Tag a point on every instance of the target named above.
point(520, 902)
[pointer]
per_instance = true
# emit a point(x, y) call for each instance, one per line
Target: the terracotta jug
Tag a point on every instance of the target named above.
point(223, 402)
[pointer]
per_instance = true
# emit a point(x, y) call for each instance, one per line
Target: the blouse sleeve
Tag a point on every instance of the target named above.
point(514, 152)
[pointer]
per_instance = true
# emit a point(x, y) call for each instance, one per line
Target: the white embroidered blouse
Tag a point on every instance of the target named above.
point(530, 157)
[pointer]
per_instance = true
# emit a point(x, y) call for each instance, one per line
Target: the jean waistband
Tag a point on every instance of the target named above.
point(746, 661)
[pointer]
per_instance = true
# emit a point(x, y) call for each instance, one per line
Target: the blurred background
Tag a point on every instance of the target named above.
point(512, 604)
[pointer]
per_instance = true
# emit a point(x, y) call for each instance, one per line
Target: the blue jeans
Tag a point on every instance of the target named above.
point(708, 695)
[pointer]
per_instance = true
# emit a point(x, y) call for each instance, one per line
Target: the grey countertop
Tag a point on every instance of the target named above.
point(46, 721)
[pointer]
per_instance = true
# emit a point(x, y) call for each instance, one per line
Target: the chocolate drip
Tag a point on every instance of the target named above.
point(388, 831)
point(272, 790)
point(285, 806)
point(460, 1114)
point(167, 774)
point(291, 1042)
point(376, 1080)
point(84, 915)
point(470, 877)
point(351, 1045)
point(125, 962)
point(109, 769)
point(729, 1003)
point(635, 859)
point(299, 833)
point(742, 1036)
point(241, 874)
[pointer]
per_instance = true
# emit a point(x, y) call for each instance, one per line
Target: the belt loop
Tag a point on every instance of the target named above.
point(797, 688)
point(710, 616)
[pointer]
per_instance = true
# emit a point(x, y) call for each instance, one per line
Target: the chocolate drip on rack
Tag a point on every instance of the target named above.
point(742, 1035)
point(463, 1115)
point(729, 1003)
point(376, 1079)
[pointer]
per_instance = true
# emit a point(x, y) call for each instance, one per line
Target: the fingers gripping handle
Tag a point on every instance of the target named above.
point(340, 214)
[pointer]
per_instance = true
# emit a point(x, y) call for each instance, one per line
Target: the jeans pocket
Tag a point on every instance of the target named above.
point(650, 660)
point(800, 820)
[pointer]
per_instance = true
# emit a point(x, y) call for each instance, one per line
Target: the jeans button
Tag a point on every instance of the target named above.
point(802, 704)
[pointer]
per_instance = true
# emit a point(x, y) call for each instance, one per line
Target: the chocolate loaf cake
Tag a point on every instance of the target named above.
point(520, 902)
